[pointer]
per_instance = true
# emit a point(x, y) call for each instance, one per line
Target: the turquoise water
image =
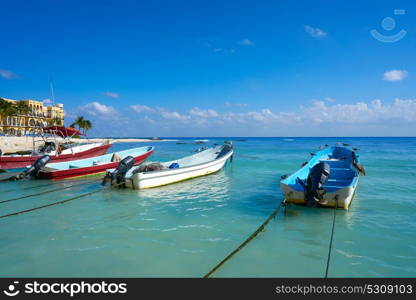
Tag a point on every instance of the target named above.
point(183, 230)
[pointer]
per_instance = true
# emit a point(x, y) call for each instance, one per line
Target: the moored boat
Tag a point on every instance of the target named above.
point(58, 150)
point(58, 153)
point(328, 179)
point(153, 174)
point(92, 166)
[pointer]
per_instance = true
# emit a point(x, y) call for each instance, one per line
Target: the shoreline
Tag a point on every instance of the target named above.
point(120, 140)
point(10, 144)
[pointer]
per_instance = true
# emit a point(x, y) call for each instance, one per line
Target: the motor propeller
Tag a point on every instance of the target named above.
point(34, 169)
point(313, 187)
point(119, 173)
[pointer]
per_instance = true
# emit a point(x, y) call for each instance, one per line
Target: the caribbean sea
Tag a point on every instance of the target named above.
point(184, 229)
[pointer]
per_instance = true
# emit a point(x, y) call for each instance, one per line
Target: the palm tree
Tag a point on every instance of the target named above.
point(79, 121)
point(87, 126)
point(82, 124)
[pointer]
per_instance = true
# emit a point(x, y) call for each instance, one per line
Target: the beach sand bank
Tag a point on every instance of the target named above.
point(120, 140)
point(22, 143)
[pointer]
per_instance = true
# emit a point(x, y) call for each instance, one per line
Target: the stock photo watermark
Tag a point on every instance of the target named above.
point(389, 24)
point(71, 289)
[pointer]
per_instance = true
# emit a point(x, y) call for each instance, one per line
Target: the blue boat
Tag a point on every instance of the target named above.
point(328, 179)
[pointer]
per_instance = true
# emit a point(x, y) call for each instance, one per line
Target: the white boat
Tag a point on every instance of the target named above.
point(205, 162)
point(58, 150)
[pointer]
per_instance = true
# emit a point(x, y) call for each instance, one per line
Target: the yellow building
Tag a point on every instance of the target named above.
point(39, 116)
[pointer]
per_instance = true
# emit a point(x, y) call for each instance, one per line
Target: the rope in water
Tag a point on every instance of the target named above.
point(47, 192)
point(37, 186)
point(56, 203)
point(330, 242)
point(248, 240)
point(27, 188)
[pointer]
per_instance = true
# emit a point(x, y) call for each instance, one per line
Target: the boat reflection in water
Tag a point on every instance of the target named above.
point(197, 194)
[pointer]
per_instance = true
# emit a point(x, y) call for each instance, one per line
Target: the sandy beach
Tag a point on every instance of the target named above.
point(121, 140)
point(22, 143)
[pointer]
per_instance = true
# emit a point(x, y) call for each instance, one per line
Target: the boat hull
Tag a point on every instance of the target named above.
point(341, 198)
point(164, 177)
point(337, 186)
point(88, 171)
point(14, 162)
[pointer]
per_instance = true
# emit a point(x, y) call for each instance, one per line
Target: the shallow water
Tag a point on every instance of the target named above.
point(184, 229)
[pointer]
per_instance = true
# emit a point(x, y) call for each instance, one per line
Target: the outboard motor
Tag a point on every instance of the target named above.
point(34, 169)
point(314, 190)
point(228, 146)
point(355, 163)
point(120, 172)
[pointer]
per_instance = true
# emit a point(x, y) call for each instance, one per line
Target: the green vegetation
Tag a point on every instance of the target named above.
point(55, 122)
point(7, 109)
point(83, 124)
point(22, 110)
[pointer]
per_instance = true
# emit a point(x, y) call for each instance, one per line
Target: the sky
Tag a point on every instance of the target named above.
point(216, 68)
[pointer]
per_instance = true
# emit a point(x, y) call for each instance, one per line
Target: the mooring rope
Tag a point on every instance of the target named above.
point(39, 186)
point(248, 240)
point(27, 188)
point(47, 205)
point(47, 192)
point(332, 238)
point(56, 203)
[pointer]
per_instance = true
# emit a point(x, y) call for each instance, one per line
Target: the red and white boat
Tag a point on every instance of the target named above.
point(94, 165)
point(59, 151)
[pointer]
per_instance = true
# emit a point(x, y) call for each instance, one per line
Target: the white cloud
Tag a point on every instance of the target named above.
point(141, 108)
point(47, 101)
point(267, 116)
point(111, 94)
point(173, 115)
point(246, 42)
point(6, 74)
point(360, 112)
point(149, 120)
point(160, 111)
point(319, 112)
point(263, 115)
point(315, 32)
point(100, 110)
point(318, 118)
point(395, 75)
point(218, 46)
point(203, 113)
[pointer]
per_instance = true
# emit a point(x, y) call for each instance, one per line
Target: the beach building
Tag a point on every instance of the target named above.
point(38, 116)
